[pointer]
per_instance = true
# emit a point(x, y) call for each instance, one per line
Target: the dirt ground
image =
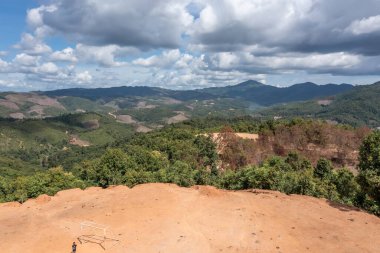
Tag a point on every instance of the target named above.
point(167, 218)
point(177, 118)
point(9, 104)
point(75, 140)
point(17, 115)
point(127, 119)
point(142, 129)
point(249, 136)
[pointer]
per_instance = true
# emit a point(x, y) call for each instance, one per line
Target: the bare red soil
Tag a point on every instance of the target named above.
point(167, 218)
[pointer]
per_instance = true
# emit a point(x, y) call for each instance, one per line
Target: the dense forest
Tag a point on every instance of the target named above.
point(288, 156)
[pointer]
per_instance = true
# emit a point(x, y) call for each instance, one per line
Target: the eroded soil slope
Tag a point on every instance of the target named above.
point(167, 218)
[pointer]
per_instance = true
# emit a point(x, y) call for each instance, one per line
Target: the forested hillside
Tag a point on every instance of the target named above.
point(151, 108)
point(250, 91)
point(184, 154)
point(357, 107)
point(29, 145)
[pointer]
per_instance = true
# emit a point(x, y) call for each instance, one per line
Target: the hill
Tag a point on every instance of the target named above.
point(359, 106)
point(28, 145)
point(266, 95)
point(154, 107)
point(167, 218)
point(36, 144)
point(251, 91)
point(35, 105)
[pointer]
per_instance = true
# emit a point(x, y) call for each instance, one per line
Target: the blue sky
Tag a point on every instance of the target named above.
point(186, 44)
point(12, 20)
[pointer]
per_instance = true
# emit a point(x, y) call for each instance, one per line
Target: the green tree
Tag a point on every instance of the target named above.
point(112, 167)
point(135, 177)
point(179, 173)
point(5, 189)
point(369, 176)
point(323, 170)
point(369, 155)
point(346, 185)
point(207, 151)
point(297, 162)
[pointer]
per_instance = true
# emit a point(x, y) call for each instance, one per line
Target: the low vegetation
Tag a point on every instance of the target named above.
point(183, 155)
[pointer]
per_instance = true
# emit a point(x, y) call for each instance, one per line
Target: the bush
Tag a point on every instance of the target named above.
point(323, 170)
point(49, 182)
point(134, 177)
point(179, 173)
point(369, 176)
point(369, 155)
point(346, 185)
point(297, 163)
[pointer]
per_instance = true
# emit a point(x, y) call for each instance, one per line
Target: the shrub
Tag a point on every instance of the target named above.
point(323, 170)
point(369, 155)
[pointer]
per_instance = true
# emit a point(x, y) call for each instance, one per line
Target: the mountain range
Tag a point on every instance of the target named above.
point(251, 91)
point(153, 106)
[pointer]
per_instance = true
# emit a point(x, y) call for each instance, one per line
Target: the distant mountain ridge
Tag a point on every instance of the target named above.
point(266, 95)
point(250, 91)
point(149, 108)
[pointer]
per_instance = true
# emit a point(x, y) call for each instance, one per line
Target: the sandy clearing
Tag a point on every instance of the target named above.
point(45, 101)
point(75, 140)
point(21, 98)
point(142, 129)
point(126, 119)
point(17, 115)
point(167, 218)
point(177, 118)
point(246, 136)
point(38, 109)
point(144, 105)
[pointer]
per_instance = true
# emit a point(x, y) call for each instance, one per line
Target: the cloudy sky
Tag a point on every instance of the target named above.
point(184, 44)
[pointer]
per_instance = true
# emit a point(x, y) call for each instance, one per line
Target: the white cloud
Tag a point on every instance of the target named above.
point(26, 60)
point(32, 45)
point(12, 84)
point(102, 55)
point(66, 55)
point(230, 61)
point(167, 58)
point(365, 25)
point(41, 73)
point(48, 68)
point(311, 61)
point(288, 25)
point(83, 77)
point(136, 23)
point(3, 64)
point(34, 19)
